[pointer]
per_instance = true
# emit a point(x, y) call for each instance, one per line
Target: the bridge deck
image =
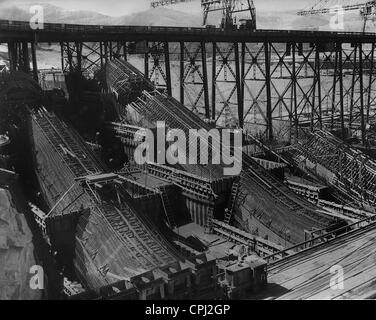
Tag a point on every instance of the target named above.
point(307, 275)
point(20, 30)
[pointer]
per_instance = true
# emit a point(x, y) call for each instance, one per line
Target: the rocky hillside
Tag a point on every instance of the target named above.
point(16, 252)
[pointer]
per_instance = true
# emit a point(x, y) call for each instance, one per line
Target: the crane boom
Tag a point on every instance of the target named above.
point(328, 6)
point(367, 9)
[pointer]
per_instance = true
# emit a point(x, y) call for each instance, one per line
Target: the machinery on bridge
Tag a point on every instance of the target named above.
point(228, 8)
point(366, 8)
point(162, 3)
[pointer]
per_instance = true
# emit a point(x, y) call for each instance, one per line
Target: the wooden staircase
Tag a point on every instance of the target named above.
point(209, 223)
point(168, 209)
point(231, 205)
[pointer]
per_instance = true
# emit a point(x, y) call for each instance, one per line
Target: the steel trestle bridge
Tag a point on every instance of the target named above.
point(269, 82)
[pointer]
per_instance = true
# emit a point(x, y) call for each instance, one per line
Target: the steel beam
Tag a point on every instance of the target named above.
point(293, 92)
point(168, 68)
point(34, 61)
point(362, 122)
point(371, 81)
point(205, 80)
point(214, 71)
point(146, 61)
point(353, 85)
point(238, 87)
point(342, 111)
point(269, 115)
point(182, 73)
point(335, 78)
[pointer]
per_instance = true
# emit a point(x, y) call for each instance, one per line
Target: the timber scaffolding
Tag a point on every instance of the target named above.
point(276, 209)
point(128, 88)
point(347, 169)
point(113, 237)
point(154, 107)
point(202, 195)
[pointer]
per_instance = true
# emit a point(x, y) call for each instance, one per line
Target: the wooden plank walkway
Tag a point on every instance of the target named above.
point(308, 275)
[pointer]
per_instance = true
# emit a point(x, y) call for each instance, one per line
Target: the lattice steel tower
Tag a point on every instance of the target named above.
point(366, 8)
point(228, 8)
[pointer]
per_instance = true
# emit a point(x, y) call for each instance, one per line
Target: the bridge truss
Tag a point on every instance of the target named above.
point(268, 88)
point(267, 82)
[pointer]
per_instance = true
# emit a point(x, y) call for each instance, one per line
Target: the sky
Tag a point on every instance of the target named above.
point(124, 7)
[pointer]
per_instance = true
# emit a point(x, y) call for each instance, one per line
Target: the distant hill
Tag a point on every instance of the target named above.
point(160, 17)
point(353, 22)
point(55, 14)
point(170, 17)
point(153, 17)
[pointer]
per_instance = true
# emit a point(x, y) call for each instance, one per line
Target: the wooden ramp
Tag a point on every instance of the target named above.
point(308, 275)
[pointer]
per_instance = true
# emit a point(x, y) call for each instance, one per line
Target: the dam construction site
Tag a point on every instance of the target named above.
point(76, 200)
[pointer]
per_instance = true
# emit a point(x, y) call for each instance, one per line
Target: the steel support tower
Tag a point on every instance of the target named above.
point(268, 82)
